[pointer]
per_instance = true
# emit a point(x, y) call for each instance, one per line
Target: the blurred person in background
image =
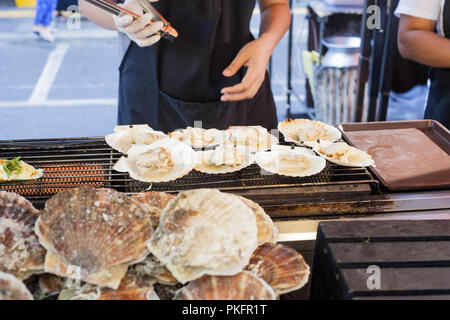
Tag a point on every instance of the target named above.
point(43, 19)
point(424, 37)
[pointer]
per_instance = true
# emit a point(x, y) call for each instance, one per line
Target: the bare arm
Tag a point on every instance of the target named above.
point(98, 16)
point(275, 21)
point(417, 41)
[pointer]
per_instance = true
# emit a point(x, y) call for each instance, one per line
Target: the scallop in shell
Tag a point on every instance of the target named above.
point(256, 138)
point(153, 204)
point(131, 288)
point(224, 159)
point(267, 231)
point(93, 235)
point(343, 154)
point(297, 162)
point(162, 161)
point(125, 137)
point(199, 137)
point(243, 286)
point(20, 251)
point(202, 232)
point(283, 268)
point(12, 288)
point(301, 131)
point(21, 171)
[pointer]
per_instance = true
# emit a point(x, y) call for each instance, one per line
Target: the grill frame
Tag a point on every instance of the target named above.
point(84, 153)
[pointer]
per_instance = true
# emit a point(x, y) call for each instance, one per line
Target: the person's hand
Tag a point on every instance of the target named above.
point(255, 56)
point(139, 30)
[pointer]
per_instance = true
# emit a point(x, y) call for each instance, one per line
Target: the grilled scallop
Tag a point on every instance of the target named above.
point(267, 231)
point(93, 235)
point(256, 138)
point(124, 137)
point(204, 232)
point(342, 154)
point(199, 137)
point(224, 159)
point(243, 286)
point(131, 288)
point(283, 268)
point(302, 131)
point(163, 161)
point(12, 288)
point(20, 251)
point(297, 162)
point(17, 170)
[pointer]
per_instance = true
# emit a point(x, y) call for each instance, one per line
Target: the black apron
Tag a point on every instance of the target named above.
point(438, 107)
point(171, 85)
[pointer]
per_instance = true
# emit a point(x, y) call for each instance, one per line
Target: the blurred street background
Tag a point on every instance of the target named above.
point(68, 88)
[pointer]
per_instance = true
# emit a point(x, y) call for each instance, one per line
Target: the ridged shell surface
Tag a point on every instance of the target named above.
point(283, 268)
point(204, 231)
point(125, 137)
point(243, 286)
point(256, 138)
point(153, 203)
point(300, 131)
point(93, 234)
point(20, 251)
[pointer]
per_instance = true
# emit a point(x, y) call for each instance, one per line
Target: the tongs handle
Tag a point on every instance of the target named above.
point(167, 31)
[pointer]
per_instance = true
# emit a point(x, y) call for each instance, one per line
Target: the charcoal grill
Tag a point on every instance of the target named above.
point(78, 162)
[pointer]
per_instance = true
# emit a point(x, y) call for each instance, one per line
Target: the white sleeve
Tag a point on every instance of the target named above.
point(425, 9)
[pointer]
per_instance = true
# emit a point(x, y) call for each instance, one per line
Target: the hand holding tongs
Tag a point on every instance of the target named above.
point(167, 31)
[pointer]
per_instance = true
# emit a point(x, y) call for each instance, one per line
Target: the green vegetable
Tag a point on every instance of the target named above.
point(12, 166)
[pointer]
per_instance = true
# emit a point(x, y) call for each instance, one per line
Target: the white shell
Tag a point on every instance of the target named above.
point(343, 154)
point(28, 173)
point(12, 288)
point(256, 138)
point(199, 137)
point(127, 136)
point(298, 162)
point(224, 159)
point(202, 232)
point(301, 131)
point(180, 159)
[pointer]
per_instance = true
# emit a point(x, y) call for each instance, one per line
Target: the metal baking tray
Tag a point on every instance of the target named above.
point(409, 155)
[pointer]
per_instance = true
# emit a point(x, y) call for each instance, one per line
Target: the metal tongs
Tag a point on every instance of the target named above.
point(167, 32)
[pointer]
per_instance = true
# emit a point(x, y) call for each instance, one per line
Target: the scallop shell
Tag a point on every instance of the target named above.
point(20, 251)
point(151, 267)
point(93, 234)
point(256, 138)
point(12, 288)
point(224, 159)
point(300, 131)
point(131, 288)
point(125, 137)
point(204, 232)
point(28, 172)
point(343, 154)
point(153, 203)
point(162, 161)
point(298, 162)
point(199, 137)
point(243, 286)
point(283, 268)
point(267, 231)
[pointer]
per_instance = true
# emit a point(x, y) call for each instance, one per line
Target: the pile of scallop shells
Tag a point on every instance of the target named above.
point(100, 244)
point(152, 156)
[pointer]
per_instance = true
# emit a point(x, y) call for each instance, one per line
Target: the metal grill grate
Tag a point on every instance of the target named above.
point(72, 163)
